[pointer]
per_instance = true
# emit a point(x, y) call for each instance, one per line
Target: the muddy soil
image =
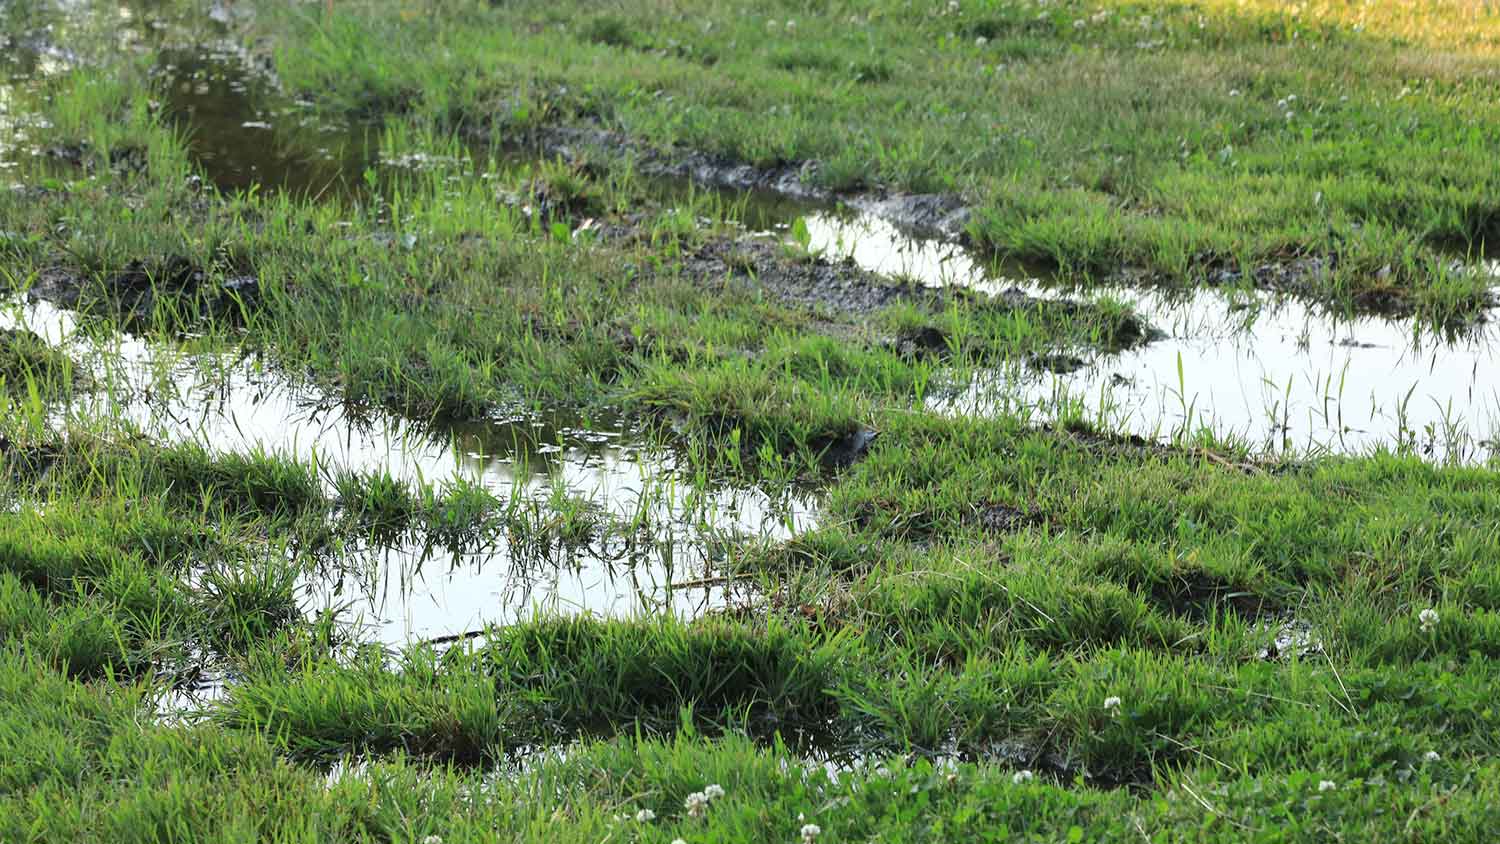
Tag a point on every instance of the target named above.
point(844, 289)
point(925, 214)
point(133, 294)
point(943, 216)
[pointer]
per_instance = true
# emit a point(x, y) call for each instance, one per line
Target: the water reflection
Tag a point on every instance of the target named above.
point(418, 590)
point(1267, 368)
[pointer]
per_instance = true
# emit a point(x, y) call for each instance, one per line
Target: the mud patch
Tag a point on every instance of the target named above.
point(143, 289)
point(846, 288)
point(846, 451)
point(1057, 362)
point(26, 357)
point(1199, 594)
point(919, 342)
point(929, 214)
point(1000, 518)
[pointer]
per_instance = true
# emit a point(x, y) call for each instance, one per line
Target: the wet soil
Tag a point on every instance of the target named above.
point(943, 217)
point(1000, 518)
point(926, 214)
point(133, 294)
point(841, 287)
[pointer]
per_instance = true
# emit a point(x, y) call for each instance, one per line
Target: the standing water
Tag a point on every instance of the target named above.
point(414, 590)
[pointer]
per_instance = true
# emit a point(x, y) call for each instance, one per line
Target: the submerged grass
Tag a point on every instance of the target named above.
point(998, 629)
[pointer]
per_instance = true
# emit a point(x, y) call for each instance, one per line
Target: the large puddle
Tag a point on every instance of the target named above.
point(1263, 368)
point(418, 590)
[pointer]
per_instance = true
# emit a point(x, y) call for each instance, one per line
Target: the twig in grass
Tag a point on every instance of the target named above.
point(1331, 667)
point(1189, 747)
point(703, 582)
point(1215, 812)
point(454, 637)
point(1215, 457)
point(1293, 701)
point(1034, 608)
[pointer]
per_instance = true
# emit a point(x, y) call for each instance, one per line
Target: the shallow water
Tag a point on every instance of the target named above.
point(1260, 367)
point(409, 592)
point(245, 134)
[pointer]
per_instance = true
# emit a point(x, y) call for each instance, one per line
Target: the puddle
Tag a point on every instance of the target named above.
point(411, 592)
point(243, 130)
point(1274, 374)
point(1263, 367)
point(245, 134)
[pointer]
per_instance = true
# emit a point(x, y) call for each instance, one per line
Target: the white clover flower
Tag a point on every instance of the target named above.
point(1080, 23)
point(645, 816)
point(1289, 115)
point(791, 24)
point(953, 5)
point(1432, 756)
point(981, 41)
point(678, 841)
point(696, 804)
point(1022, 777)
point(713, 791)
point(810, 833)
point(1234, 92)
point(1428, 619)
point(433, 839)
point(952, 779)
point(1327, 785)
point(1281, 103)
point(1111, 703)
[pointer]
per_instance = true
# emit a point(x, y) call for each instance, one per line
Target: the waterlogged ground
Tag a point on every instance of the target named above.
point(463, 423)
point(644, 526)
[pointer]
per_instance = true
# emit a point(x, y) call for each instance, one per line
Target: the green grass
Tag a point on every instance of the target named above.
point(1181, 139)
point(998, 629)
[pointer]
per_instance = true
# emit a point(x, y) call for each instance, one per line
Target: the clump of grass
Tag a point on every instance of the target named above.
point(30, 364)
point(249, 601)
point(542, 681)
